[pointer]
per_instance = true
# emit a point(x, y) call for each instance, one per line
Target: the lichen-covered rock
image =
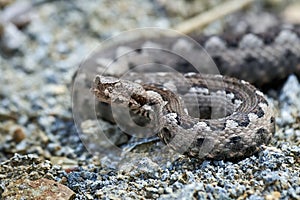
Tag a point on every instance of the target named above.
point(38, 189)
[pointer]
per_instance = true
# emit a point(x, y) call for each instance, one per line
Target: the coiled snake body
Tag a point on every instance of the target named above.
point(210, 116)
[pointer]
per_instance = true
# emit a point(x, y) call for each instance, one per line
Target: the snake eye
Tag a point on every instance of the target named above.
point(200, 141)
point(166, 132)
point(166, 135)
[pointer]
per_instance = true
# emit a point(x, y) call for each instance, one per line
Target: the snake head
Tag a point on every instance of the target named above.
point(103, 87)
point(131, 104)
point(114, 90)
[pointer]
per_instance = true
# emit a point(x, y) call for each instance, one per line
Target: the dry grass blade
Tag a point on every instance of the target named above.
point(207, 17)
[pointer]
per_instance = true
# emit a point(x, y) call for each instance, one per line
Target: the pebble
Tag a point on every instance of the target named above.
point(290, 104)
point(12, 38)
point(38, 189)
point(18, 135)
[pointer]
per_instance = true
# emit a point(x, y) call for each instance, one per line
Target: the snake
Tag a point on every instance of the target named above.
point(201, 114)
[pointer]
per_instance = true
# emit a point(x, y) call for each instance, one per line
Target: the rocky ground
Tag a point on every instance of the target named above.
point(40, 149)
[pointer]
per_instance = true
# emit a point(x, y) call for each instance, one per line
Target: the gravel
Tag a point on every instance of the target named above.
point(38, 138)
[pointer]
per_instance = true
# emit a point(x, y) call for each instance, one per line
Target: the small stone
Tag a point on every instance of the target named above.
point(12, 38)
point(64, 162)
point(291, 13)
point(151, 189)
point(56, 89)
point(39, 189)
point(88, 196)
point(63, 180)
point(18, 135)
point(273, 196)
point(169, 190)
point(160, 190)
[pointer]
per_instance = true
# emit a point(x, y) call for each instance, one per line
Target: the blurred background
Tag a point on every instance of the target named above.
point(42, 43)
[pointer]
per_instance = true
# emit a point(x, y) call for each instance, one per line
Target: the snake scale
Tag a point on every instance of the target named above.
point(201, 114)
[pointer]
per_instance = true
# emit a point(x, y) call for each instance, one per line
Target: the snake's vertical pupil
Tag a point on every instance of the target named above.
point(166, 135)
